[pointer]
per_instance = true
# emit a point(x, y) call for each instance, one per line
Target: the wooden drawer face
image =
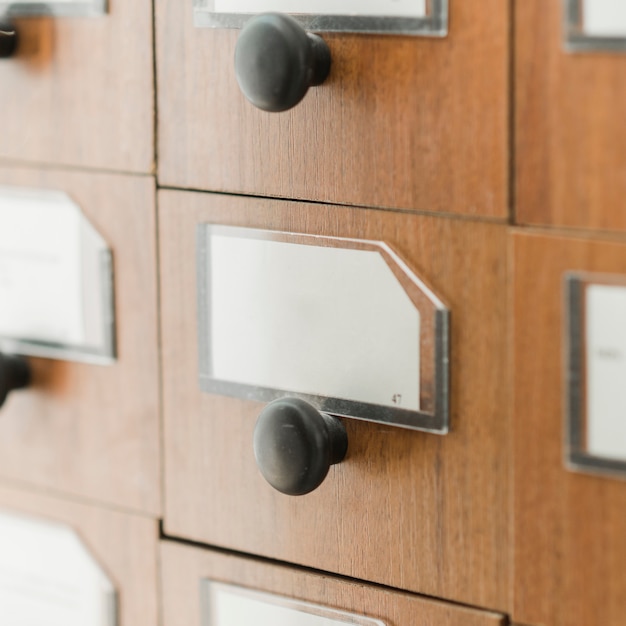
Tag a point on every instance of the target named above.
point(184, 567)
point(569, 527)
point(407, 122)
point(93, 430)
point(570, 131)
point(80, 90)
point(418, 511)
point(124, 546)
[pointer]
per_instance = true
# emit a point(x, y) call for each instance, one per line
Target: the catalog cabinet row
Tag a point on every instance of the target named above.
point(128, 577)
point(500, 512)
point(411, 122)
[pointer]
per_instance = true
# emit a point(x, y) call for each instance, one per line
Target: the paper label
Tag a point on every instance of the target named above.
point(606, 371)
point(604, 18)
point(54, 287)
point(47, 577)
point(390, 8)
point(227, 605)
point(333, 322)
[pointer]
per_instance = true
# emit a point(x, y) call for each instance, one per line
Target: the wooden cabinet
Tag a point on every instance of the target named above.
point(418, 511)
point(453, 151)
point(569, 526)
point(570, 132)
point(184, 567)
point(408, 122)
point(124, 546)
point(80, 90)
point(93, 430)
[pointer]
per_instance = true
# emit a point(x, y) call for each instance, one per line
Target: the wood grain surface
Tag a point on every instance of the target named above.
point(93, 430)
point(421, 512)
point(183, 567)
point(80, 91)
point(125, 546)
point(408, 122)
point(570, 127)
point(570, 546)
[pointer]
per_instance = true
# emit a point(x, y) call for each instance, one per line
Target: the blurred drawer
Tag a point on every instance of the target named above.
point(80, 90)
point(570, 132)
point(569, 524)
point(418, 511)
point(185, 569)
point(93, 430)
point(406, 122)
point(124, 547)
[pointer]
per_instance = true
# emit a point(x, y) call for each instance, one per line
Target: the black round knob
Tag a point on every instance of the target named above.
point(276, 61)
point(8, 39)
point(295, 445)
point(14, 374)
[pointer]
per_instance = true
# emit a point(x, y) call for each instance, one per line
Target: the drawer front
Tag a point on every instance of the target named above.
point(93, 430)
point(409, 122)
point(570, 131)
point(569, 530)
point(123, 546)
point(185, 568)
point(80, 90)
point(440, 501)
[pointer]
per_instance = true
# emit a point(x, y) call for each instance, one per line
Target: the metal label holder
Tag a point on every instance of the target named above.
point(104, 352)
point(50, 575)
point(577, 455)
point(224, 605)
point(105, 355)
point(435, 24)
point(433, 413)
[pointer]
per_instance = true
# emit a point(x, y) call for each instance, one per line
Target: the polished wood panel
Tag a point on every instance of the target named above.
point(183, 567)
point(570, 127)
point(417, 511)
point(570, 546)
point(93, 430)
point(415, 123)
point(80, 91)
point(126, 546)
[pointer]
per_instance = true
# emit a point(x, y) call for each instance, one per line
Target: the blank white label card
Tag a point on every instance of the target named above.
point(604, 18)
point(606, 371)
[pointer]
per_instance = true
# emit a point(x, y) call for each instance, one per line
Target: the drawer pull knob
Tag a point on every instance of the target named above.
point(8, 39)
point(14, 374)
point(276, 61)
point(295, 445)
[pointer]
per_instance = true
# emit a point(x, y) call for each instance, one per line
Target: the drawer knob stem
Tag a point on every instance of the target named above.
point(295, 445)
point(276, 61)
point(14, 374)
point(8, 39)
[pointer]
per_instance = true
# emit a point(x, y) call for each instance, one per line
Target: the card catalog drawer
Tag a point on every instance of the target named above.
point(439, 500)
point(75, 564)
point(232, 587)
point(569, 377)
point(88, 423)
point(415, 122)
point(570, 131)
point(79, 89)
